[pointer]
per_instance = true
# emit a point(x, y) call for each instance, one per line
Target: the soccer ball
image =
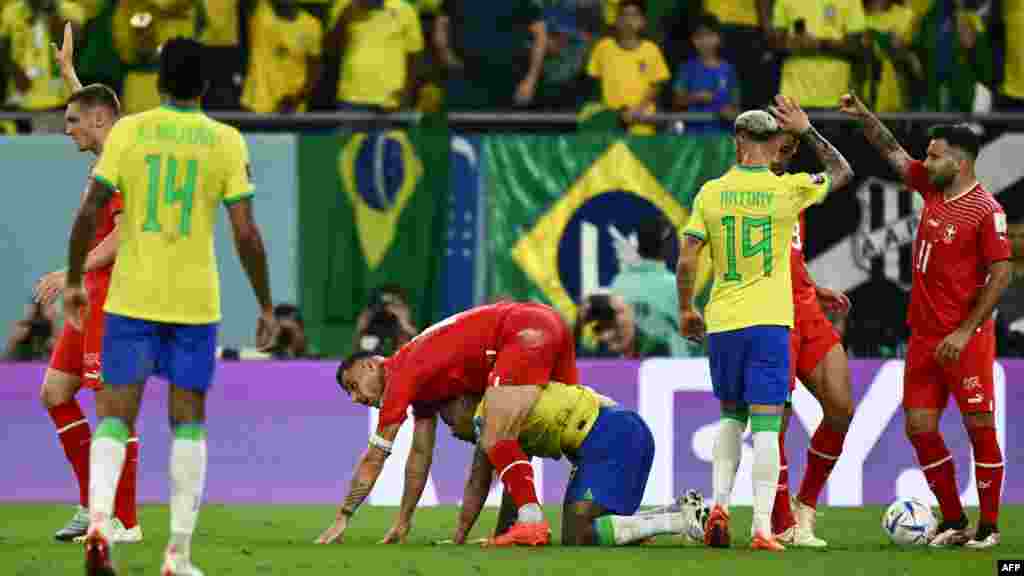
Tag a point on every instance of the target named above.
point(908, 522)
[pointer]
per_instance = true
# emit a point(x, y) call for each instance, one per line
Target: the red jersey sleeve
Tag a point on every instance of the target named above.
point(917, 179)
point(993, 242)
point(397, 399)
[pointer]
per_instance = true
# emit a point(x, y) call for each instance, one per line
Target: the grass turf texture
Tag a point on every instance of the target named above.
point(265, 540)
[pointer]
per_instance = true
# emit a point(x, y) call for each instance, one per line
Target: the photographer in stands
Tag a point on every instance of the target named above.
point(386, 323)
point(32, 337)
point(290, 339)
point(606, 327)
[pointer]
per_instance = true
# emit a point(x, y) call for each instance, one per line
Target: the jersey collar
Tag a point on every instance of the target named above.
point(760, 168)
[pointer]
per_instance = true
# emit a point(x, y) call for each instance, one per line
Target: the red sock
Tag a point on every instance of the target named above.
point(514, 470)
point(937, 465)
point(124, 499)
point(988, 472)
point(75, 437)
point(826, 446)
point(782, 512)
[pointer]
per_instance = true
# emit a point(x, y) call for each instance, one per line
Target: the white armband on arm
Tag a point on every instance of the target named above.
point(376, 440)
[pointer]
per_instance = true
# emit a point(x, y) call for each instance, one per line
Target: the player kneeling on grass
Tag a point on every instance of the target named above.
point(611, 450)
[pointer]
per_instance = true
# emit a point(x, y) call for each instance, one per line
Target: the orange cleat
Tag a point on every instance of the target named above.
point(521, 534)
point(716, 532)
point(97, 555)
point(761, 542)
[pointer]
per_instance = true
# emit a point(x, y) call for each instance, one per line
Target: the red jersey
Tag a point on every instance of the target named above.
point(804, 292)
point(97, 281)
point(957, 241)
point(448, 359)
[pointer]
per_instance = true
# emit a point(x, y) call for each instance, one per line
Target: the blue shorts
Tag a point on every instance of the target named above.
point(750, 365)
point(134, 350)
point(613, 463)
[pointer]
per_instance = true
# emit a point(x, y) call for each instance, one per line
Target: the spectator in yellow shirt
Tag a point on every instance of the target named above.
point(284, 58)
point(890, 30)
point(378, 42)
point(140, 28)
point(630, 69)
point(28, 29)
point(1010, 95)
point(823, 38)
point(745, 27)
point(222, 61)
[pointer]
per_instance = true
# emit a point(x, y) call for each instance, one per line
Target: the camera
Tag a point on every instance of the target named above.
point(383, 330)
point(601, 310)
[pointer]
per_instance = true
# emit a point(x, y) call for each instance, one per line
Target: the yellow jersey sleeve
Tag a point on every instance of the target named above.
point(810, 188)
point(660, 72)
point(238, 180)
point(855, 20)
point(107, 168)
point(696, 226)
point(596, 59)
point(411, 29)
point(780, 15)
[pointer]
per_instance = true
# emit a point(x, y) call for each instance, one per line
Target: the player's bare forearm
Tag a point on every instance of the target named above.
point(883, 140)
point(991, 293)
point(475, 494)
point(104, 253)
point(538, 49)
point(686, 270)
point(836, 166)
point(417, 466)
point(366, 474)
point(84, 229)
point(249, 244)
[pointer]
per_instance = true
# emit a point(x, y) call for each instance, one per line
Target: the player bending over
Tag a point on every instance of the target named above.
point(748, 216)
point(75, 364)
point(961, 267)
point(611, 451)
point(817, 357)
point(506, 352)
point(174, 165)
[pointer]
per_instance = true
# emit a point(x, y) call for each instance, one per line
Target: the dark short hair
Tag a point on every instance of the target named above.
point(707, 21)
point(640, 5)
point(961, 136)
point(94, 95)
point(350, 362)
point(288, 311)
point(181, 69)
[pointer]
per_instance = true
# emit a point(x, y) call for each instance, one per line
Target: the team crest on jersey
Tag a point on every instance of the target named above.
point(949, 234)
point(999, 221)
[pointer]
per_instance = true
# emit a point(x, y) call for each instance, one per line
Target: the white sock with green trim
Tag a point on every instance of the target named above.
point(188, 475)
point(725, 459)
point(106, 458)
point(765, 475)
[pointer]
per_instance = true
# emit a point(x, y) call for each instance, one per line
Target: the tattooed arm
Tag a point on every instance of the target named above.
point(877, 134)
point(793, 119)
point(477, 486)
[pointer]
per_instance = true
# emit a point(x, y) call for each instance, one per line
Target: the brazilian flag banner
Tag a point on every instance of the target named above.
point(372, 207)
point(562, 210)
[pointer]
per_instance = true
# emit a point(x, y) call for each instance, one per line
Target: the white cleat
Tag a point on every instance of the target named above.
point(695, 514)
point(787, 536)
point(178, 565)
point(121, 535)
point(76, 528)
point(803, 532)
point(990, 541)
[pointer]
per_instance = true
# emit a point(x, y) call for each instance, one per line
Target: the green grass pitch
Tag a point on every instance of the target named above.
point(271, 540)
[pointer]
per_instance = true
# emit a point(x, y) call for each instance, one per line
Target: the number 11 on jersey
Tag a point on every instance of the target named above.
point(922, 255)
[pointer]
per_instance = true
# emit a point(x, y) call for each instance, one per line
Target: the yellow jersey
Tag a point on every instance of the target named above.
point(373, 67)
point(734, 12)
point(278, 58)
point(221, 27)
point(627, 75)
point(173, 167)
point(747, 218)
point(897, 21)
point(31, 50)
point(1013, 81)
point(560, 420)
point(818, 81)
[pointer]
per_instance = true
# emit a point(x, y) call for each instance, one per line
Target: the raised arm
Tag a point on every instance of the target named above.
point(877, 134)
point(417, 469)
point(793, 119)
point(66, 59)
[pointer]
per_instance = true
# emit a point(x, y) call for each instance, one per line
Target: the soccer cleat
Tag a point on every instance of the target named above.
point(716, 531)
point(76, 527)
point(803, 535)
point(98, 560)
point(762, 542)
point(986, 537)
point(787, 536)
point(119, 534)
point(178, 565)
point(695, 514)
point(950, 534)
point(523, 534)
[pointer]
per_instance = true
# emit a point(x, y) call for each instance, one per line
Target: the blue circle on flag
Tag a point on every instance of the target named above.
point(379, 171)
point(587, 246)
